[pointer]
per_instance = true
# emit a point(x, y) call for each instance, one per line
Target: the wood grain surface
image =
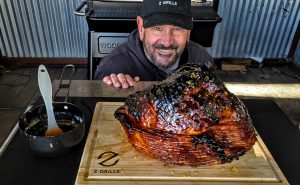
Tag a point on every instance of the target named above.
point(109, 159)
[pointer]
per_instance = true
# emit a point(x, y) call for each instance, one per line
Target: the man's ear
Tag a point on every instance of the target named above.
point(140, 22)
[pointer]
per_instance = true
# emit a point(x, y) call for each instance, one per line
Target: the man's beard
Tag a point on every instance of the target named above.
point(160, 60)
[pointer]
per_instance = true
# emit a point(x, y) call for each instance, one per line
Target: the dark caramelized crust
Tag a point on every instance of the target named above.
point(190, 118)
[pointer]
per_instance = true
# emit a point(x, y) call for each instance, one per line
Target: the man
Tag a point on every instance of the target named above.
point(158, 46)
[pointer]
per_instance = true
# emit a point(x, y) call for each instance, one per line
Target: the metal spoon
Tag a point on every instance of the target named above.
point(46, 91)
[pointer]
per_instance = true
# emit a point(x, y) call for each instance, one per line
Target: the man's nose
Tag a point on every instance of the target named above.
point(167, 38)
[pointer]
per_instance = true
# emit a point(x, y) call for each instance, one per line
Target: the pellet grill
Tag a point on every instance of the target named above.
point(110, 22)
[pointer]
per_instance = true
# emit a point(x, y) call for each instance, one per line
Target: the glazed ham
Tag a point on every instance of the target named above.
point(189, 118)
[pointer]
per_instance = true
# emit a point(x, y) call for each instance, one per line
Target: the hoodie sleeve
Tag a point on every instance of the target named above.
point(198, 54)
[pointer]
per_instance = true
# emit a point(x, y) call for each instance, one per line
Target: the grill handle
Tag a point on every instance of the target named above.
point(78, 9)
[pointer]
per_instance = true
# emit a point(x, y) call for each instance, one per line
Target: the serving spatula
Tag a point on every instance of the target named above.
point(46, 91)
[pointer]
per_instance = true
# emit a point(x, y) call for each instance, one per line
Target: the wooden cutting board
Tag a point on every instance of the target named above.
point(109, 159)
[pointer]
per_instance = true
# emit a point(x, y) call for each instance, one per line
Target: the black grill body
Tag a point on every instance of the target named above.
point(110, 22)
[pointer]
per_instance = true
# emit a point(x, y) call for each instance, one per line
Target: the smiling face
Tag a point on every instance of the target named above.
point(163, 44)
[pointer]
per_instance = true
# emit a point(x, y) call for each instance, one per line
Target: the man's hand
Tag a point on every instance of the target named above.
point(120, 80)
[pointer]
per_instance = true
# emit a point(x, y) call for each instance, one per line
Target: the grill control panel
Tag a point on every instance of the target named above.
point(101, 44)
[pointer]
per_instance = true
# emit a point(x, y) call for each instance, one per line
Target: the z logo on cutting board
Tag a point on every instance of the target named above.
point(107, 159)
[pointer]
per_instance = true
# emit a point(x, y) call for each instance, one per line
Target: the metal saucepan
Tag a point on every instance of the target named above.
point(33, 125)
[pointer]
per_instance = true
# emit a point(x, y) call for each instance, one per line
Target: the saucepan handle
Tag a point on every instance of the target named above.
point(65, 86)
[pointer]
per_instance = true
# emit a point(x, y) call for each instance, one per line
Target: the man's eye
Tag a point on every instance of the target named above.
point(157, 28)
point(177, 28)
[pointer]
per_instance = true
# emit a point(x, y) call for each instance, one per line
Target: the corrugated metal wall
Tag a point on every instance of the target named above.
point(256, 28)
point(42, 28)
point(48, 28)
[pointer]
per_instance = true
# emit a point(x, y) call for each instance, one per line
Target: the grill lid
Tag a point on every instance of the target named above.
point(202, 10)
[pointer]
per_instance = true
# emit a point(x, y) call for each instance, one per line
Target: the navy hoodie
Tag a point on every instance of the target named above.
point(129, 58)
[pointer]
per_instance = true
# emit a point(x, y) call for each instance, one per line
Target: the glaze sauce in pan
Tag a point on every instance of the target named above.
point(65, 121)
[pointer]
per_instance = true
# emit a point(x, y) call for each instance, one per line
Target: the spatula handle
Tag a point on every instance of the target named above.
point(45, 87)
